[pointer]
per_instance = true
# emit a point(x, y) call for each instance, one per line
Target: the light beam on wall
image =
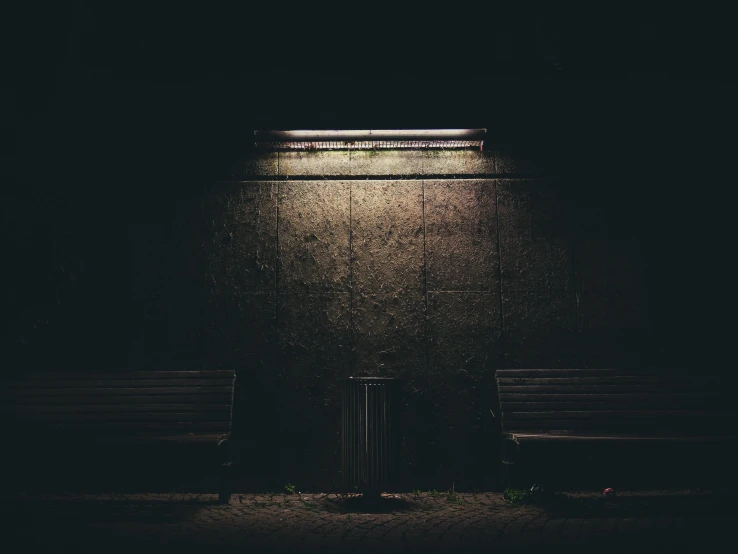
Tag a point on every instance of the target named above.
point(370, 140)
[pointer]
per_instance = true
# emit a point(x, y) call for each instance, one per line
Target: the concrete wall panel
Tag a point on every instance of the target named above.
point(314, 236)
point(461, 235)
point(387, 236)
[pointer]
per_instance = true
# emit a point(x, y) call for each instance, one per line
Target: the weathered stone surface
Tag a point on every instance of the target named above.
point(607, 264)
point(370, 233)
point(457, 162)
point(535, 238)
point(186, 285)
point(308, 450)
point(613, 327)
point(313, 358)
point(463, 352)
point(461, 240)
point(421, 418)
point(314, 339)
point(540, 329)
point(463, 333)
point(241, 237)
point(389, 334)
point(314, 163)
point(262, 164)
point(314, 236)
point(387, 236)
point(386, 162)
point(239, 330)
point(517, 163)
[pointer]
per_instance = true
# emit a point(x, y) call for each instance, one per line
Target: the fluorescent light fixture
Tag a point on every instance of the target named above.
point(370, 140)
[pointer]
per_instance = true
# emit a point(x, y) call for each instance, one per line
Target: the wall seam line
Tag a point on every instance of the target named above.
point(425, 285)
point(276, 281)
point(382, 177)
point(352, 349)
point(501, 348)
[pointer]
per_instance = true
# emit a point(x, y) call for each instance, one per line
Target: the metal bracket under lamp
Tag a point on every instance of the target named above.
point(371, 140)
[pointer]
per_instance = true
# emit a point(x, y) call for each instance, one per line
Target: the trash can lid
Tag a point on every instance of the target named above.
point(373, 379)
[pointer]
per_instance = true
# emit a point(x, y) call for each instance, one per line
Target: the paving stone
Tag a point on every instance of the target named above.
point(184, 522)
point(533, 528)
point(330, 540)
point(627, 526)
point(570, 532)
point(387, 236)
point(608, 525)
point(591, 528)
point(511, 531)
point(461, 235)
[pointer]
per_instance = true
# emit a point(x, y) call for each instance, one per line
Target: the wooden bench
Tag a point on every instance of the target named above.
point(89, 410)
point(562, 426)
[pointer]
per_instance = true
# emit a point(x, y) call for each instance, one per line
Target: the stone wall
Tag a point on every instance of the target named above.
point(435, 267)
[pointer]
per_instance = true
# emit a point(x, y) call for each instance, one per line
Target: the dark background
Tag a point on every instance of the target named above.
point(116, 121)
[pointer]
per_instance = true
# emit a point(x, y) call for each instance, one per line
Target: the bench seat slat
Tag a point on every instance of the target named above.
point(132, 408)
point(607, 414)
point(642, 404)
point(569, 381)
point(112, 391)
point(71, 437)
point(592, 388)
point(542, 435)
point(106, 404)
point(504, 373)
point(130, 416)
point(588, 403)
point(600, 373)
point(129, 425)
point(608, 397)
point(122, 383)
point(124, 400)
point(171, 436)
point(574, 427)
point(573, 382)
point(163, 435)
point(194, 374)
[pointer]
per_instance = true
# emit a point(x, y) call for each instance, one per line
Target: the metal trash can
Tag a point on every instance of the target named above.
point(368, 449)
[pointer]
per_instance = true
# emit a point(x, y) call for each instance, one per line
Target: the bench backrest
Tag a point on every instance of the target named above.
point(608, 401)
point(187, 405)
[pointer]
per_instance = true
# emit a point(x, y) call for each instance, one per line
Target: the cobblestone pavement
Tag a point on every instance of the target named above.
point(638, 521)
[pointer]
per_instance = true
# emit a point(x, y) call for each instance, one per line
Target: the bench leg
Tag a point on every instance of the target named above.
point(224, 473)
point(224, 485)
point(508, 468)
